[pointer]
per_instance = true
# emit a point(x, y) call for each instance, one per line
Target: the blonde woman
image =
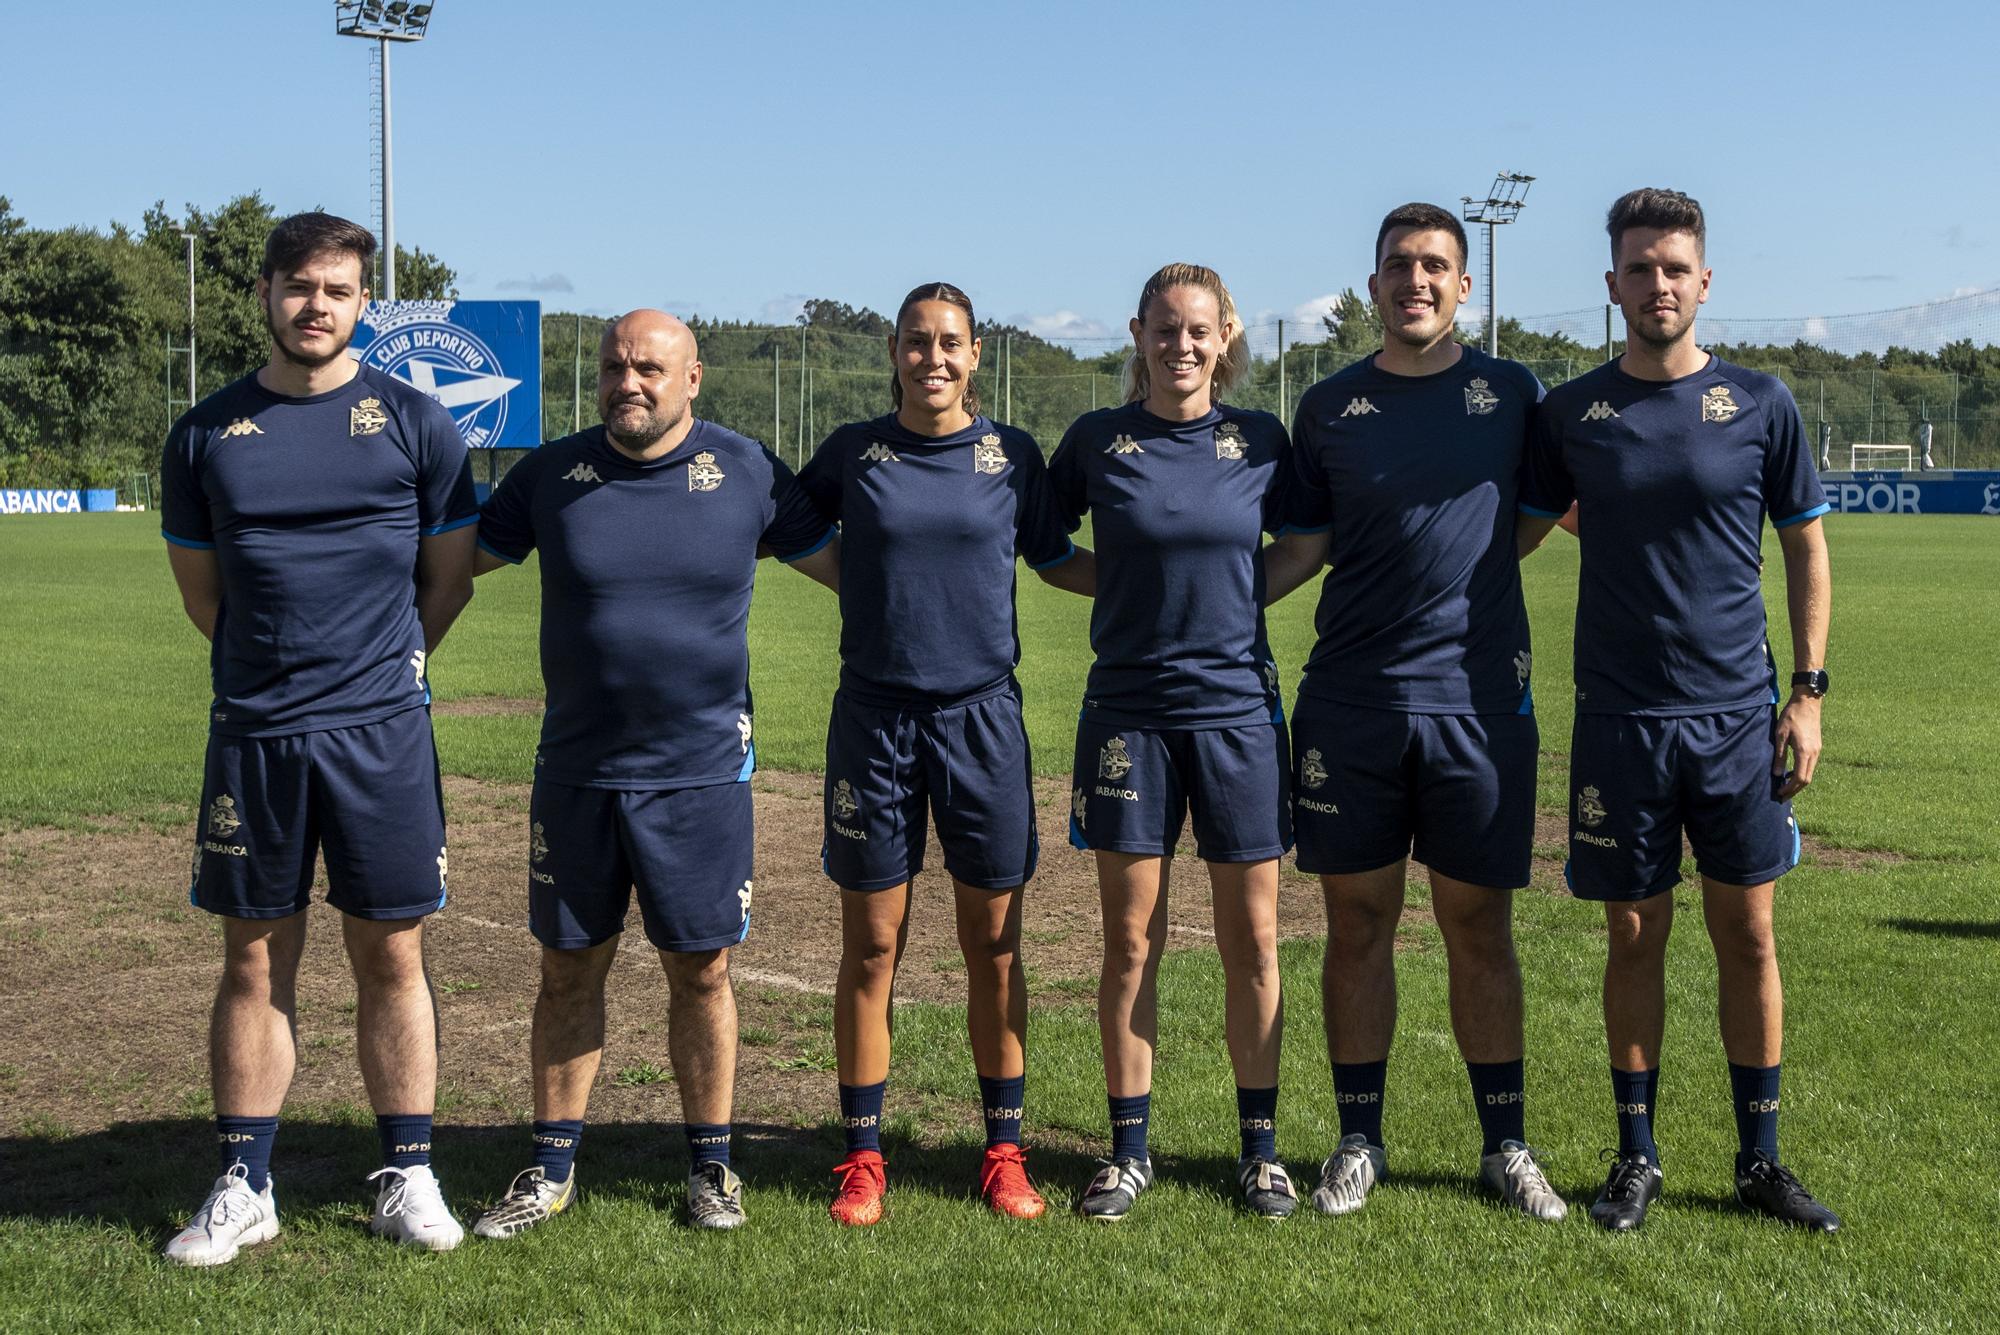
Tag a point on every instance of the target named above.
point(1181, 714)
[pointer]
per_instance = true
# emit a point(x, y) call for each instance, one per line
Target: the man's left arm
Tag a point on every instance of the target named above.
point(1808, 596)
point(444, 581)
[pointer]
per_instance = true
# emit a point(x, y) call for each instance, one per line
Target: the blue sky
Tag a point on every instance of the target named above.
point(730, 159)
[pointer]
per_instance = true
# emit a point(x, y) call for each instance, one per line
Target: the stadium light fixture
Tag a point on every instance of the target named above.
point(1502, 205)
point(398, 21)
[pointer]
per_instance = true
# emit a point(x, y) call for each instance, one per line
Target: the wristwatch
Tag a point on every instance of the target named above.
point(1814, 682)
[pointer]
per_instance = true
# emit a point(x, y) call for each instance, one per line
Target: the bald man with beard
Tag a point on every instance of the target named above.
point(649, 528)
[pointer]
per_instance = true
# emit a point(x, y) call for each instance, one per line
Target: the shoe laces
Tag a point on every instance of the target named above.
point(869, 1170)
point(230, 1196)
point(1780, 1177)
point(410, 1191)
point(526, 1188)
point(709, 1192)
point(1005, 1169)
point(1628, 1175)
point(1522, 1169)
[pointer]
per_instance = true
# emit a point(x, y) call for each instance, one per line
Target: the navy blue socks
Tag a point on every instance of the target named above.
point(406, 1139)
point(1357, 1097)
point(1130, 1115)
point(555, 1148)
point(1636, 1092)
point(247, 1140)
point(861, 1115)
point(1257, 1122)
point(1498, 1097)
point(708, 1142)
point(1754, 1090)
point(1003, 1099)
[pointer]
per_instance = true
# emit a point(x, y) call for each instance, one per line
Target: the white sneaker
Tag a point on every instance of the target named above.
point(232, 1218)
point(1512, 1171)
point(409, 1208)
point(1348, 1173)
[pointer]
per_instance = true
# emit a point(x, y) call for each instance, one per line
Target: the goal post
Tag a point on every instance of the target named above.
point(1862, 457)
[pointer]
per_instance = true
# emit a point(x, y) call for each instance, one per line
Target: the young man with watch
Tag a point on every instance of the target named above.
point(1675, 458)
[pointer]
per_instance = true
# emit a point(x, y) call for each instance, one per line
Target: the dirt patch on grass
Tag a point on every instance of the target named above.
point(106, 971)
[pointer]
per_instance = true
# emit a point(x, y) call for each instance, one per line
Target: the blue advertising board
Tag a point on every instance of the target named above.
point(1895, 492)
point(480, 359)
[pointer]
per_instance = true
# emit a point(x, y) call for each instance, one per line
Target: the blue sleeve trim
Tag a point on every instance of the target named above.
point(1286, 530)
point(832, 532)
point(486, 546)
point(436, 529)
point(187, 542)
point(1800, 518)
point(1045, 565)
point(1528, 509)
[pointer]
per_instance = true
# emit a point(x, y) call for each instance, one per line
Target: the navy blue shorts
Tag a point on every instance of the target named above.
point(1636, 782)
point(367, 797)
point(1373, 786)
point(1132, 787)
point(965, 767)
point(689, 851)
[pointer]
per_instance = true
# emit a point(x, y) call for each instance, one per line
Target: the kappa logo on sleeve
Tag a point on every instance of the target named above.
point(1598, 412)
point(1124, 445)
point(1359, 406)
point(878, 453)
point(583, 472)
point(242, 426)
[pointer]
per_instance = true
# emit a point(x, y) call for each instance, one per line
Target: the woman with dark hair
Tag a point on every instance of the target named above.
point(935, 502)
point(1181, 712)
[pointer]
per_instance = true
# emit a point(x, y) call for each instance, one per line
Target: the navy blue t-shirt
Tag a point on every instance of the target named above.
point(1674, 479)
point(1178, 510)
point(930, 526)
point(314, 508)
point(647, 570)
point(1416, 477)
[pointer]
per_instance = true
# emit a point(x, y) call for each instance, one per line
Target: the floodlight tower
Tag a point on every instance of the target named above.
point(383, 23)
point(1501, 206)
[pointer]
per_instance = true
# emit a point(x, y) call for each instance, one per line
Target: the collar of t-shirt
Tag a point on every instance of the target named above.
point(1157, 427)
point(600, 443)
point(893, 432)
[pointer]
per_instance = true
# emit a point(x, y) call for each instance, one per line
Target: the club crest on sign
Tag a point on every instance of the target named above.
point(222, 818)
point(703, 475)
point(1480, 398)
point(1589, 810)
point(987, 456)
point(1717, 405)
point(1112, 761)
point(538, 843)
point(1312, 769)
point(1229, 441)
point(844, 805)
point(366, 418)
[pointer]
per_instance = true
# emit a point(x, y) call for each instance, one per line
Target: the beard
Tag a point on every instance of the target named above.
point(299, 359)
point(651, 428)
point(1661, 336)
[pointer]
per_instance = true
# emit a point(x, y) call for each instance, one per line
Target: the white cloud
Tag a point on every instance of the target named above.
point(554, 282)
point(1309, 313)
point(1064, 324)
point(1816, 329)
point(787, 308)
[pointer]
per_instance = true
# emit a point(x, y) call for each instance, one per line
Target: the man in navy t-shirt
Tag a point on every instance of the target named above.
point(319, 520)
point(649, 528)
point(1414, 727)
point(1674, 459)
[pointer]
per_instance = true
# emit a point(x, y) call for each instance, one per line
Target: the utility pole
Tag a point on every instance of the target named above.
point(189, 238)
point(1501, 206)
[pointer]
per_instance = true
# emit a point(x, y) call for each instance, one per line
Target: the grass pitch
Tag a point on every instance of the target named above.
point(1888, 941)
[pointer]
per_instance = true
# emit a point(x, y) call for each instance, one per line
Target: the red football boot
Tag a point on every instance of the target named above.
point(857, 1201)
point(1003, 1181)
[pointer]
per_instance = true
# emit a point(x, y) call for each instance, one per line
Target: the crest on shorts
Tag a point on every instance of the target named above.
point(222, 818)
point(538, 843)
point(844, 805)
point(743, 898)
point(1112, 761)
point(1312, 769)
point(1717, 406)
point(1229, 441)
point(703, 475)
point(1078, 807)
point(366, 418)
point(1480, 400)
point(1589, 810)
point(987, 456)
